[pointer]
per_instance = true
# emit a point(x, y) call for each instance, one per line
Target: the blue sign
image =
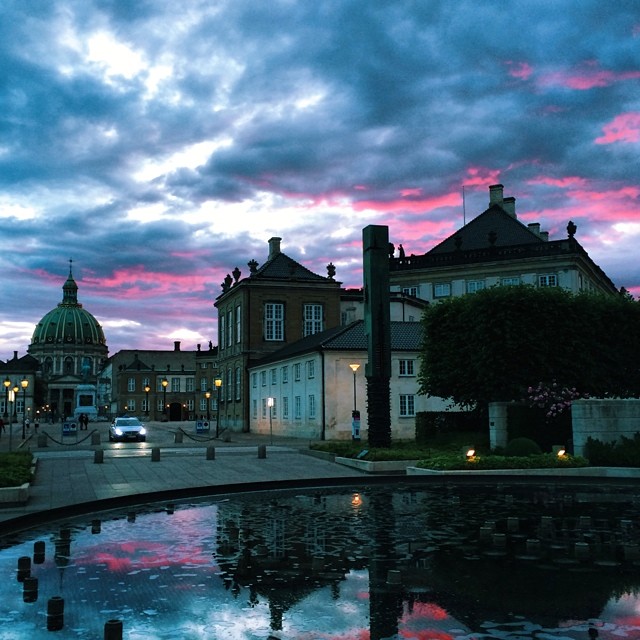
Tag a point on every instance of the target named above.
point(202, 426)
point(69, 428)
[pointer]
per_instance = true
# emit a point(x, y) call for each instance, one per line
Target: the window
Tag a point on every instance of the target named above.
point(548, 280)
point(238, 323)
point(190, 405)
point(190, 384)
point(159, 405)
point(175, 385)
point(264, 408)
point(406, 368)
point(273, 408)
point(274, 376)
point(285, 375)
point(203, 365)
point(285, 408)
point(229, 328)
point(273, 321)
point(474, 285)
point(229, 384)
point(311, 369)
point(296, 371)
point(254, 409)
point(263, 378)
point(312, 319)
point(442, 290)
point(203, 404)
point(407, 406)
point(223, 331)
point(238, 382)
point(297, 408)
point(312, 407)
point(510, 281)
point(254, 380)
point(146, 382)
point(131, 384)
point(144, 405)
point(410, 291)
point(203, 384)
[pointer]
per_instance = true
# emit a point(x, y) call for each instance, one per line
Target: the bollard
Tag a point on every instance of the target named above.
point(513, 524)
point(42, 440)
point(179, 437)
point(38, 552)
point(96, 526)
point(95, 437)
point(155, 454)
point(24, 568)
point(262, 451)
point(98, 456)
point(211, 453)
point(170, 509)
point(131, 516)
point(581, 550)
point(30, 589)
point(317, 563)
point(533, 546)
point(394, 577)
point(55, 613)
point(113, 630)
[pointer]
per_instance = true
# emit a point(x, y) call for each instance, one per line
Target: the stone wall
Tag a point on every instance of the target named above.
point(604, 420)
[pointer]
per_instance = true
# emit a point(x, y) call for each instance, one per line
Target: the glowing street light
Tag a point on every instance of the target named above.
point(24, 383)
point(147, 388)
point(355, 415)
point(218, 383)
point(164, 384)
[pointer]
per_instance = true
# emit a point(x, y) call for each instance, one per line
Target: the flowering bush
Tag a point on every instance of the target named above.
point(552, 398)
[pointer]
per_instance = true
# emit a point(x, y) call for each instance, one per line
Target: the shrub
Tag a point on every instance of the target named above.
point(625, 453)
point(450, 462)
point(15, 468)
point(522, 447)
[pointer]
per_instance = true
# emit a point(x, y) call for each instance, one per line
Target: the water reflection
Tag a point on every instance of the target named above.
point(438, 563)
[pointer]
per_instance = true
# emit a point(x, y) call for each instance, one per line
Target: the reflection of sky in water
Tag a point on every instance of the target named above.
point(315, 566)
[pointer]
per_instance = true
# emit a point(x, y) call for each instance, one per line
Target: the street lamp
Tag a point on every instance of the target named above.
point(164, 383)
point(7, 384)
point(355, 415)
point(270, 402)
point(218, 383)
point(147, 388)
point(14, 419)
point(207, 395)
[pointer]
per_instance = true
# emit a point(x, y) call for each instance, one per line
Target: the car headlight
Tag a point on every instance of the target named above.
point(143, 431)
point(118, 431)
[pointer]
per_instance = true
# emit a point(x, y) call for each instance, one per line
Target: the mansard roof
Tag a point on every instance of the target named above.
point(282, 267)
point(405, 336)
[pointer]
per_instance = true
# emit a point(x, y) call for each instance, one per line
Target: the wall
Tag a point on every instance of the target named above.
point(605, 420)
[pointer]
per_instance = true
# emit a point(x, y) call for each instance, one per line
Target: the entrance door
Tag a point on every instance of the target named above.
point(175, 412)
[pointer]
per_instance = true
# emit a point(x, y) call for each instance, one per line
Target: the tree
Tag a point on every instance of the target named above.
point(496, 343)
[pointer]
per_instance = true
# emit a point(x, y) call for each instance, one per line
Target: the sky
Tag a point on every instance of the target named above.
point(160, 144)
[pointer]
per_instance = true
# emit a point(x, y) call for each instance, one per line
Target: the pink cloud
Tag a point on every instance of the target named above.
point(481, 177)
point(566, 182)
point(587, 77)
point(415, 205)
point(520, 70)
point(623, 128)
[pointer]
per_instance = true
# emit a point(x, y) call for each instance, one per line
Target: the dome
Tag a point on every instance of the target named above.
point(68, 323)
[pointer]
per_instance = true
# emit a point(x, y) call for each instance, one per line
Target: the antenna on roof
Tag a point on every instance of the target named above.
point(464, 209)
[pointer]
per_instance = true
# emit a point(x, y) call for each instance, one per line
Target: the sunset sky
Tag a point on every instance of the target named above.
point(161, 144)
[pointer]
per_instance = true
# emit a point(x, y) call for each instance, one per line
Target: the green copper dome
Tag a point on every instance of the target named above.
point(68, 323)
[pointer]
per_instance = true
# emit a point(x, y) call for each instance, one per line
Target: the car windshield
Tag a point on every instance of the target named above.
point(128, 422)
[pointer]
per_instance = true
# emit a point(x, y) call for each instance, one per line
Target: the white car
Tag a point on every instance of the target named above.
point(127, 429)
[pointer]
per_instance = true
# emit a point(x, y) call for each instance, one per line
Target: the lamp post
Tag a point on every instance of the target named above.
point(164, 383)
point(270, 405)
point(207, 395)
point(14, 419)
point(355, 415)
point(7, 384)
point(147, 388)
point(218, 383)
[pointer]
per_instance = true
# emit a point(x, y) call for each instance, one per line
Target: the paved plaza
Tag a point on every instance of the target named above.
point(69, 475)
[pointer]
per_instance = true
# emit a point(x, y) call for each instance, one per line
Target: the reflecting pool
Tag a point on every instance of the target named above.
point(424, 562)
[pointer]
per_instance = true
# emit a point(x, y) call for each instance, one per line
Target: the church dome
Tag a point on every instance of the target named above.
point(68, 323)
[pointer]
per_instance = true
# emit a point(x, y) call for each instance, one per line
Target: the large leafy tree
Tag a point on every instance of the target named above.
point(494, 344)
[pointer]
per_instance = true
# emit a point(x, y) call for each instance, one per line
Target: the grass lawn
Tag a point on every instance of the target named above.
point(446, 453)
point(15, 468)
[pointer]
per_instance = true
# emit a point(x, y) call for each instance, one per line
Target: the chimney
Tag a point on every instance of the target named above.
point(509, 205)
point(274, 247)
point(15, 355)
point(176, 345)
point(544, 235)
point(535, 227)
point(495, 194)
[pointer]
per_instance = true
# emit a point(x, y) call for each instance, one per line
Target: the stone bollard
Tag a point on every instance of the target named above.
point(38, 552)
point(55, 613)
point(113, 630)
point(95, 438)
point(178, 437)
point(317, 563)
point(42, 440)
point(394, 577)
point(513, 524)
point(262, 451)
point(96, 527)
point(98, 456)
point(24, 568)
point(211, 453)
point(155, 454)
point(30, 589)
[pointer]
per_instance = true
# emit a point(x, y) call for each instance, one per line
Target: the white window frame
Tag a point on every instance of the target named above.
point(311, 369)
point(297, 371)
point(131, 385)
point(274, 321)
point(407, 405)
point(254, 408)
point(223, 331)
point(442, 290)
point(474, 285)
point(190, 385)
point(313, 314)
point(297, 407)
point(284, 375)
point(410, 291)
point(406, 367)
point(548, 280)
point(238, 382)
point(263, 378)
point(238, 323)
point(510, 281)
point(229, 327)
point(273, 376)
point(254, 380)
point(312, 407)
point(131, 404)
point(285, 407)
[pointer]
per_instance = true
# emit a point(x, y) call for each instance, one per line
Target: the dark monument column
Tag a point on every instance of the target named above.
point(377, 326)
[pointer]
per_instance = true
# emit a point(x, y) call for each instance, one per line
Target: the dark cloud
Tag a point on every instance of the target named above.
point(161, 145)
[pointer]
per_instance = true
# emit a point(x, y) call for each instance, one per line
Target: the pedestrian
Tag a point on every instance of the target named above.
point(2, 427)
